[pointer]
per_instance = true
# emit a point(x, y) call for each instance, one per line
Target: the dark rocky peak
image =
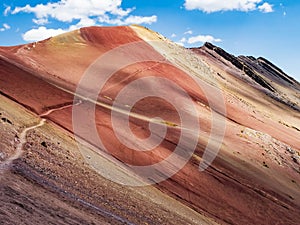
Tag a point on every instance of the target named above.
point(274, 70)
point(241, 65)
point(262, 71)
point(255, 67)
point(251, 58)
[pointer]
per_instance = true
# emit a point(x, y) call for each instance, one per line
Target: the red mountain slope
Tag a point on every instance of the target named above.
point(254, 178)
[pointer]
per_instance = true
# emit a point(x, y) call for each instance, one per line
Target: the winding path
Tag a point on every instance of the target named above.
point(19, 148)
point(5, 165)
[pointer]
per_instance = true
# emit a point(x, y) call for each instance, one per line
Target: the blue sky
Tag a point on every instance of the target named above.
point(268, 28)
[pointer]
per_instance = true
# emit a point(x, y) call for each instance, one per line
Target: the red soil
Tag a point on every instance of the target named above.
point(236, 189)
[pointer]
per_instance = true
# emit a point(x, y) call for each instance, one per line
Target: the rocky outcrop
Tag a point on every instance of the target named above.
point(274, 70)
point(260, 70)
point(240, 64)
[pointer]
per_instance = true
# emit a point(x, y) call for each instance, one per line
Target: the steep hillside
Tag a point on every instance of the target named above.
point(221, 131)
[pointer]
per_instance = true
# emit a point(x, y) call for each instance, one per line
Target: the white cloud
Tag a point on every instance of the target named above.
point(183, 40)
point(266, 8)
point(188, 32)
point(7, 10)
point(173, 35)
point(85, 22)
point(4, 27)
point(41, 33)
point(88, 13)
point(210, 6)
point(140, 19)
point(203, 39)
point(129, 20)
point(40, 21)
point(69, 10)
point(108, 11)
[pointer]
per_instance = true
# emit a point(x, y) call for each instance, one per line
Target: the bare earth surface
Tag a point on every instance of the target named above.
point(255, 178)
point(52, 184)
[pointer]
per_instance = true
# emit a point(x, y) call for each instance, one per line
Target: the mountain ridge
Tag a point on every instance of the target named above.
point(256, 162)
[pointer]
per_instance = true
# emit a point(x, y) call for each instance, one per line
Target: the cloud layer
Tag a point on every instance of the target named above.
point(41, 33)
point(266, 8)
point(188, 40)
point(210, 6)
point(78, 13)
point(203, 39)
point(70, 10)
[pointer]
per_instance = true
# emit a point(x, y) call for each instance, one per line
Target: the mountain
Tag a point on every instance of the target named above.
point(199, 136)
